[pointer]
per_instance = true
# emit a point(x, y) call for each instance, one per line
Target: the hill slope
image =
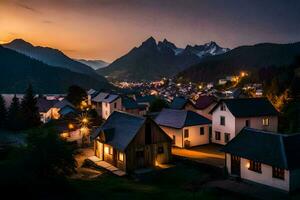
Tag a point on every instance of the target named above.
point(52, 57)
point(153, 60)
point(17, 70)
point(244, 58)
point(95, 64)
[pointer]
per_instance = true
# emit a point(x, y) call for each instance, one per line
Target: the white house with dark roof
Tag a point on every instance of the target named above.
point(106, 104)
point(186, 128)
point(264, 157)
point(229, 116)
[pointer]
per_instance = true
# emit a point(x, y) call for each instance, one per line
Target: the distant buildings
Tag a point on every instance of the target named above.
point(229, 116)
point(264, 157)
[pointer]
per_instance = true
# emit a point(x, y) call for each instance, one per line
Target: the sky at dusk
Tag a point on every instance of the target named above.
point(107, 29)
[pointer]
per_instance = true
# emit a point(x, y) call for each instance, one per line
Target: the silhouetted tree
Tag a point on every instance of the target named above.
point(30, 112)
point(3, 112)
point(14, 119)
point(76, 95)
point(157, 105)
point(49, 156)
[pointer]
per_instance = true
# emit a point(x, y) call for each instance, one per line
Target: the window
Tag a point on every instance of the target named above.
point(201, 130)
point(106, 150)
point(278, 173)
point(227, 137)
point(173, 139)
point(247, 123)
point(160, 150)
point(223, 107)
point(121, 157)
point(266, 121)
point(148, 136)
point(115, 105)
point(255, 166)
point(186, 133)
point(217, 135)
point(111, 151)
point(222, 120)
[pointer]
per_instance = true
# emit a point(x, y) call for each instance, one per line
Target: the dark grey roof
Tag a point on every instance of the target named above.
point(178, 103)
point(63, 103)
point(129, 103)
point(105, 97)
point(273, 149)
point(44, 104)
point(249, 107)
point(180, 118)
point(146, 99)
point(120, 128)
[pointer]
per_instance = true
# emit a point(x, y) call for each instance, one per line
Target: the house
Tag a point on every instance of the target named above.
point(91, 93)
point(58, 106)
point(131, 106)
point(229, 116)
point(222, 81)
point(130, 142)
point(204, 104)
point(106, 104)
point(263, 157)
point(186, 128)
point(44, 106)
point(181, 103)
point(146, 100)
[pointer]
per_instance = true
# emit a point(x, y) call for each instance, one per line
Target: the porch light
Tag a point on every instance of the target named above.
point(70, 126)
point(248, 165)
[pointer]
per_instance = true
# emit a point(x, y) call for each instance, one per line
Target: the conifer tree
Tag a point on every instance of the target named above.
point(3, 112)
point(30, 112)
point(14, 121)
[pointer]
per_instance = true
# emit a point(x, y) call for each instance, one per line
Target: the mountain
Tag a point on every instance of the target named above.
point(243, 58)
point(52, 57)
point(152, 61)
point(18, 70)
point(95, 64)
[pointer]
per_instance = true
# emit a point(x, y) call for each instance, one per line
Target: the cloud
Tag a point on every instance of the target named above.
point(26, 7)
point(47, 22)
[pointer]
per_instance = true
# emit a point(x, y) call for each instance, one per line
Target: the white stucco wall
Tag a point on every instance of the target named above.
point(257, 123)
point(172, 131)
point(265, 177)
point(228, 128)
point(194, 135)
point(108, 108)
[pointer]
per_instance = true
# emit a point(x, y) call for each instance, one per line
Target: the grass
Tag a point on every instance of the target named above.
point(180, 182)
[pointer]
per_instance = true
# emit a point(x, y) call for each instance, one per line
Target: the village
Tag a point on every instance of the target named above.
point(232, 139)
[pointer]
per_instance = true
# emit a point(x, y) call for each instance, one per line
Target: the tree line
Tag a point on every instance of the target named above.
point(21, 114)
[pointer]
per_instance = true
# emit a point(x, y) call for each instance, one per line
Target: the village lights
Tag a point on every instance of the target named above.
point(85, 120)
point(70, 126)
point(106, 150)
point(248, 165)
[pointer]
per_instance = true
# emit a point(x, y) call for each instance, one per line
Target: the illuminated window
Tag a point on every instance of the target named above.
point(121, 156)
point(266, 121)
point(278, 173)
point(255, 166)
point(111, 150)
point(106, 150)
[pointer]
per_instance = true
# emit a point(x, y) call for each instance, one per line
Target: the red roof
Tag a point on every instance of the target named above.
point(204, 101)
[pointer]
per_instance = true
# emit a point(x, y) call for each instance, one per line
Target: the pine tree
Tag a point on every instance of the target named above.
point(30, 112)
point(14, 120)
point(3, 112)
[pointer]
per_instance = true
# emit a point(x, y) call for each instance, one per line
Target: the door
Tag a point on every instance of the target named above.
point(99, 150)
point(235, 165)
point(140, 158)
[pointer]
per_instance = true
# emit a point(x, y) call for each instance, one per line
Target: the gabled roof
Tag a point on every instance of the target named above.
point(146, 99)
point(130, 103)
point(180, 118)
point(248, 107)
point(120, 128)
point(273, 149)
point(179, 103)
point(44, 104)
point(63, 103)
point(67, 110)
point(105, 97)
point(205, 101)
